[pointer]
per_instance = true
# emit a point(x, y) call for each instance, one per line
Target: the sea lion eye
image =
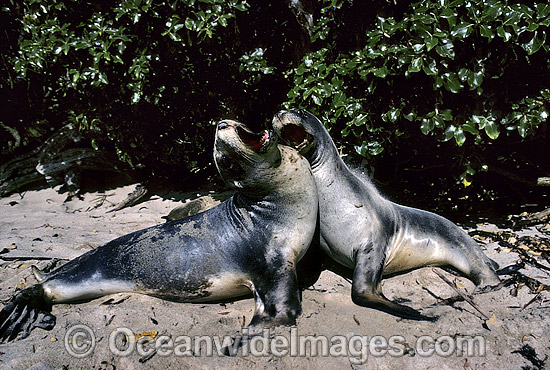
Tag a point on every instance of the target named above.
point(225, 162)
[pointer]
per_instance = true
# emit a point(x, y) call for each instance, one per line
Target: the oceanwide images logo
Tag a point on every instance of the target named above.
point(80, 342)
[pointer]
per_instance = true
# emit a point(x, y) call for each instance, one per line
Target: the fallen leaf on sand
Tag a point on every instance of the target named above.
point(526, 337)
point(492, 321)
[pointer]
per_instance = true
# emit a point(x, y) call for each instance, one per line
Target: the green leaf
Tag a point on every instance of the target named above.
point(103, 78)
point(360, 120)
point(438, 82)
point(381, 72)
point(416, 65)
point(136, 97)
point(491, 129)
point(446, 50)
point(462, 30)
point(486, 31)
point(522, 130)
point(449, 133)
point(475, 80)
point(190, 24)
point(491, 13)
point(460, 138)
point(410, 116)
point(417, 47)
point(430, 68)
point(463, 74)
point(533, 45)
point(470, 127)
point(427, 125)
point(446, 114)
point(242, 6)
point(345, 131)
point(450, 15)
point(452, 83)
point(371, 148)
point(393, 114)
point(543, 10)
point(504, 33)
point(339, 99)
point(439, 122)
point(431, 42)
point(317, 99)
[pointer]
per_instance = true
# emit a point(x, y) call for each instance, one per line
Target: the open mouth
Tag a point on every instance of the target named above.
point(258, 142)
point(295, 135)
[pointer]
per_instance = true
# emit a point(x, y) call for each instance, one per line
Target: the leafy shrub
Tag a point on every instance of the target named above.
point(463, 72)
point(148, 79)
point(447, 83)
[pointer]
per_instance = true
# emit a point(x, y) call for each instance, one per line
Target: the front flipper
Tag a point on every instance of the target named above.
point(366, 288)
point(27, 310)
point(277, 298)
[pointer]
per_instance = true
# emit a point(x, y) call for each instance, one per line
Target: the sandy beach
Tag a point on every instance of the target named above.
point(40, 228)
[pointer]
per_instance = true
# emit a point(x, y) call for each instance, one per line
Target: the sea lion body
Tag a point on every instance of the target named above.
point(250, 242)
point(375, 237)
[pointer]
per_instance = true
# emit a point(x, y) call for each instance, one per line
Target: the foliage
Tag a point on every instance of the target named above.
point(453, 81)
point(459, 71)
point(147, 79)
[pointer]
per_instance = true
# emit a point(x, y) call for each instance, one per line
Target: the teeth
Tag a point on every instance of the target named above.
point(301, 145)
point(265, 137)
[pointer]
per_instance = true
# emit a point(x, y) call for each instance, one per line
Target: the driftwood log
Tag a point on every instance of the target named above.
point(62, 159)
point(536, 218)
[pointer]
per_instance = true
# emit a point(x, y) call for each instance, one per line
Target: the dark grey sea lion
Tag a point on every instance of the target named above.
point(375, 237)
point(251, 242)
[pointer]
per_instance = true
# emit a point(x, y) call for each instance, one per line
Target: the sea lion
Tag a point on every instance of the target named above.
point(375, 237)
point(197, 205)
point(250, 242)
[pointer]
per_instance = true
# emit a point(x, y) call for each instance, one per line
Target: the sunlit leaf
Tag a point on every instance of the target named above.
point(460, 138)
point(462, 30)
point(449, 133)
point(416, 65)
point(491, 129)
point(381, 72)
point(452, 83)
point(427, 125)
point(533, 45)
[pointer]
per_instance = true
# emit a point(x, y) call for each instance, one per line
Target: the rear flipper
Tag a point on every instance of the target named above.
point(378, 301)
point(507, 270)
point(27, 310)
point(366, 286)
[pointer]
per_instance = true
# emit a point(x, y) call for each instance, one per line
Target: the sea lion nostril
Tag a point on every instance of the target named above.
point(224, 162)
point(222, 125)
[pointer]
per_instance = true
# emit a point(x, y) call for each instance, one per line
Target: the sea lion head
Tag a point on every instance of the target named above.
point(244, 158)
point(299, 129)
